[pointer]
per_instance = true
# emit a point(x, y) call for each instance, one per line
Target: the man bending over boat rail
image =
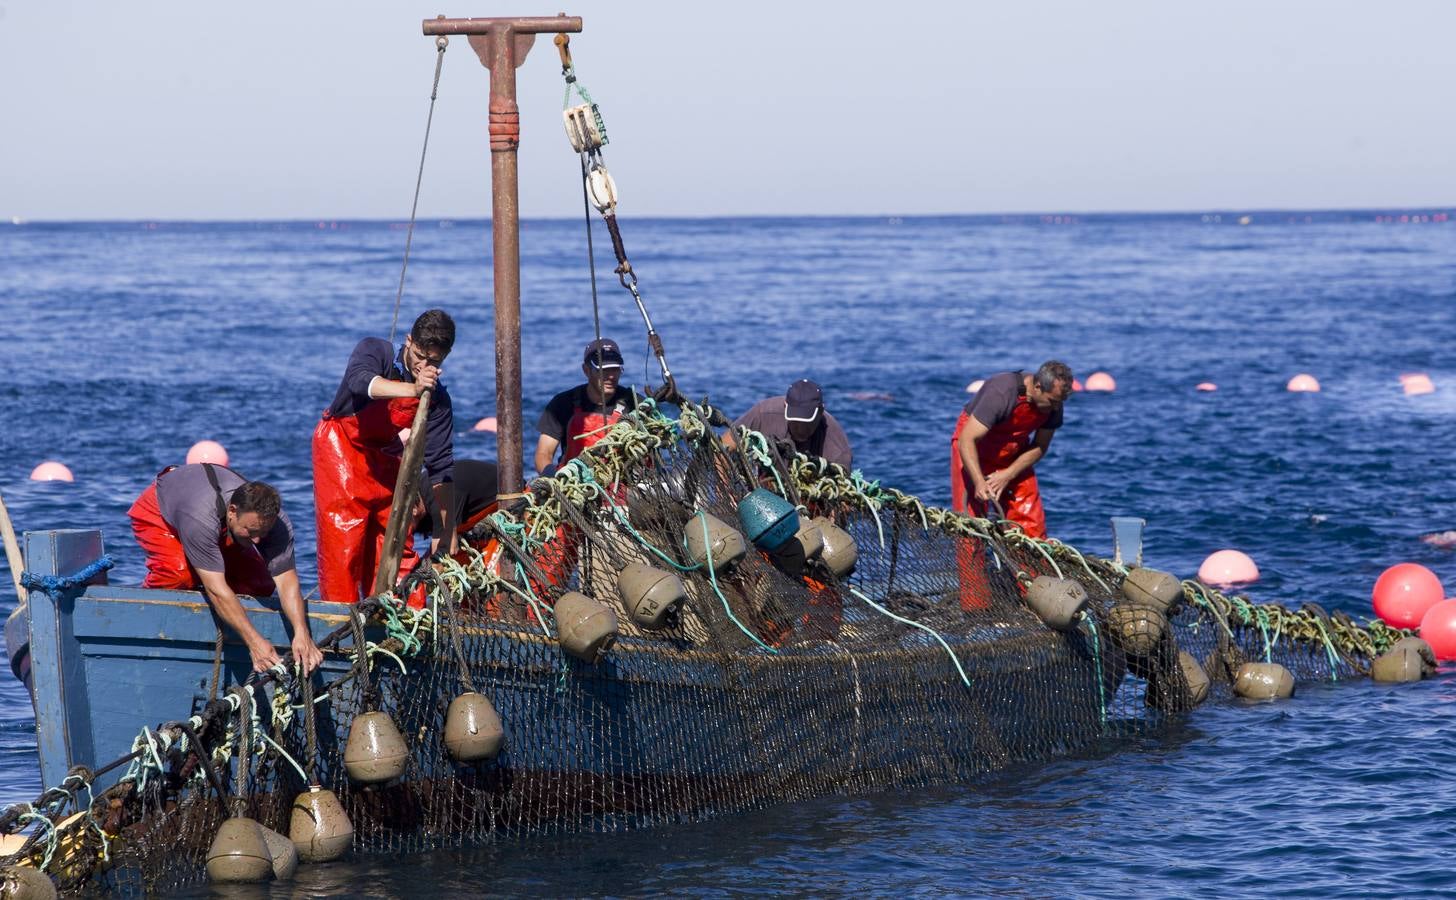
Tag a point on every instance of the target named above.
point(357, 451)
point(205, 526)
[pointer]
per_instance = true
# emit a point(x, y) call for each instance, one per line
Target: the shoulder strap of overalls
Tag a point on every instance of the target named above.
point(217, 489)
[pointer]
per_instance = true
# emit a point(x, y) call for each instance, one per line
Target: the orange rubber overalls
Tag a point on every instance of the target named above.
point(999, 448)
point(244, 567)
point(355, 463)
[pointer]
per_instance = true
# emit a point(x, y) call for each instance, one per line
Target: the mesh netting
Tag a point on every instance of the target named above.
point(773, 681)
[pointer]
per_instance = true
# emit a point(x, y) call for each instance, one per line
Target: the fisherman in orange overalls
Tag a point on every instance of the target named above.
point(357, 448)
point(206, 527)
point(574, 420)
point(1002, 432)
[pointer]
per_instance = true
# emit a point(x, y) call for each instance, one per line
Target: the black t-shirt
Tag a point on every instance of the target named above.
point(475, 489)
point(564, 418)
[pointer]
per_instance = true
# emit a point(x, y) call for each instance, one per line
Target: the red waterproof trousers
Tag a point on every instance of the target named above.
point(558, 558)
point(355, 464)
point(998, 449)
point(167, 567)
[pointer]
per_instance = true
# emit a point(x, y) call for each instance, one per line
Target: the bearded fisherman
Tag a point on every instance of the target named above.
point(357, 449)
point(206, 527)
point(577, 418)
point(574, 420)
point(1004, 431)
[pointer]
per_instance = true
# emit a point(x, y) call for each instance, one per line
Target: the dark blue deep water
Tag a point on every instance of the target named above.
point(125, 343)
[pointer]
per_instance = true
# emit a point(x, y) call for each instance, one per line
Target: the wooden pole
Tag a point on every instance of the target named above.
point(12, 550)
point(406, 485)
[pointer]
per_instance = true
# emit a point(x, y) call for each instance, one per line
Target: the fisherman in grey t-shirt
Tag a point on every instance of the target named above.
point(798, 416)
point(205, 526)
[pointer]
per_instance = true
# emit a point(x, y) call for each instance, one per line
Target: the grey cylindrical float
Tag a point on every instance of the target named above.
point(839, 554)
point(724, 542)
point(1408, 659)
point(26, 883)
point(282, 852)
point(1152, 588)
point(238, 854)
point(1056, 601)
point(319, 827)
point(1263, 681)
point(472, 728)
point(810, 538)
point(1137, 629)
point(376, 751)
point(1194, 677)
point(649, 594)
point(587, 629)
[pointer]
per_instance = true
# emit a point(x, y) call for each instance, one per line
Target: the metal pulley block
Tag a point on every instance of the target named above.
point(602, 188)
point(584, 127)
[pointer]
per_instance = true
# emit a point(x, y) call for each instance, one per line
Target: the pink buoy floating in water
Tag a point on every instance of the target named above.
point(1077, 386)
point(51, 471)
point(1101, 381)
point(1206, 386)
point(486, 424)
point(1416, 383)
point(975, 386)
point(1438, 628)
point(1404, 592)
point(1303, 384)
point(207, 452)
point(1226, 568)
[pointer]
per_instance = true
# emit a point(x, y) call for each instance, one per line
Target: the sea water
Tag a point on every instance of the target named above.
point(127, 342)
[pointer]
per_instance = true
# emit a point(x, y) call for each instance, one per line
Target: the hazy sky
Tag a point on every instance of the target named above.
point(314, 109)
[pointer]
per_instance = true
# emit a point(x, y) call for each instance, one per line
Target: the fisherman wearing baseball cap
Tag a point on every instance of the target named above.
point(798, 416)
point(577, 418)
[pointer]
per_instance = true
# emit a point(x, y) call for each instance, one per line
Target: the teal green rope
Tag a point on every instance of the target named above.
point(1263, 620)
point(713, 578)
point(1097, 661)
point(1329, 649)
point(925, 628)
point(52, 838)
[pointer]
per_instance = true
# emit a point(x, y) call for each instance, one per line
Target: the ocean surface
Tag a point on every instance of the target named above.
point(127, 342)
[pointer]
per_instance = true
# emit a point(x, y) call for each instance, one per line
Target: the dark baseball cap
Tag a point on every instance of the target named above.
point(803, 401)
point(602, 353)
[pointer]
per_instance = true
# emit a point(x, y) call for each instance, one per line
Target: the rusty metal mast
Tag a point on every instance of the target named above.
point(502, 45)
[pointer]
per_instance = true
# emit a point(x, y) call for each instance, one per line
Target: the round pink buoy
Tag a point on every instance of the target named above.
point(207, 452)
point(1206, 386)
point(1077, 386)
point(51, 471)
point(1101, 381)
point(1303, 384)
point(1227, 568)
point(1404, 592)
point(1417, 383)
point(975, 386)
point(486, 424)
point(1438, 628)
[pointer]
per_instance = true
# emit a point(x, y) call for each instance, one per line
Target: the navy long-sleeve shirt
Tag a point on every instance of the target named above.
point(375, 357)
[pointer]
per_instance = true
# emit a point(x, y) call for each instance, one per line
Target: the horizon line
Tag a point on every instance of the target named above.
point(17, 220)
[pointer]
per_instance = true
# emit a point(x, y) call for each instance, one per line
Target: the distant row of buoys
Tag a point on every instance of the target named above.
point(205, 451)
point(1412, 383)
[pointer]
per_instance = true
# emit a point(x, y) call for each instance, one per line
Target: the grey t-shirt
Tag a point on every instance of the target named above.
point(830, 441)
point(996, 399)
point(189, 504)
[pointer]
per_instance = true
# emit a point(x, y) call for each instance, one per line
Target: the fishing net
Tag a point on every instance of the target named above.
point(773, 680)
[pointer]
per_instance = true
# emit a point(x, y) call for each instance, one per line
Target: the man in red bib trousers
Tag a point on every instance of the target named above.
point(205, 527)
point(1002, 432)
point(357, 449)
